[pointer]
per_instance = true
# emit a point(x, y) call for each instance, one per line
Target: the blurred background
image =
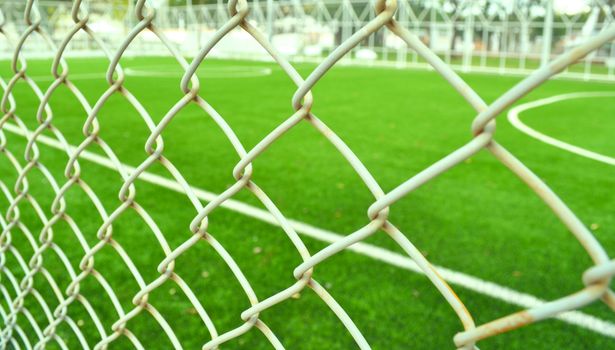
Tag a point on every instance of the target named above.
point(502, 36)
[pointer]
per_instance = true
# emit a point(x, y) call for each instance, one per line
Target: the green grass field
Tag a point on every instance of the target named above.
point(477, 218)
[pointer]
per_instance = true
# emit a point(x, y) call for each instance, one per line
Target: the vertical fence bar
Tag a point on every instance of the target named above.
point(547, 33)
point(610, 61)
point(432, 25)
point(346, 23)
point(402, 50)
point(270, 15)
point(468, 37)
point(525, 40)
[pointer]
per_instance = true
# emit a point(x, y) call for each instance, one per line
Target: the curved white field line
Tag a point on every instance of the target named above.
point(513, 117)
point(475, 284)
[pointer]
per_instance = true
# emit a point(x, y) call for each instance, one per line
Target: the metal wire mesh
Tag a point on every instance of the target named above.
point(596, 278)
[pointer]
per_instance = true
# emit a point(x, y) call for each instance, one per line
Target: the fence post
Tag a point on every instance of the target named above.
point(346, 20)
point(270, 15)
point(402, 50)
point(468, 38)
point(432, 25)
point(547, 34)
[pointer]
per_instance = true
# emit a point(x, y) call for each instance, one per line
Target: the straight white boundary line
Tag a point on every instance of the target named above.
point(515, 120)
point(228, 72)
point(472, 283)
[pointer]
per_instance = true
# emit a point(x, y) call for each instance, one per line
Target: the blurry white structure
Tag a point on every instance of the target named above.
point(366, 54)
point(501, 36)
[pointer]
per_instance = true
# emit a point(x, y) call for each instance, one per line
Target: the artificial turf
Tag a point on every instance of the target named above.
point(477, 218)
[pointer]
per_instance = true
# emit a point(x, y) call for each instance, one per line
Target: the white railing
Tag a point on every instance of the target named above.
point(483, 36)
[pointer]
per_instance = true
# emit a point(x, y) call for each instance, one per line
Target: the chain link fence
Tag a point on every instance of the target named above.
point(15, 291)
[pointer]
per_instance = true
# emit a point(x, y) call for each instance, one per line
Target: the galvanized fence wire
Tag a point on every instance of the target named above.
point(596, 278)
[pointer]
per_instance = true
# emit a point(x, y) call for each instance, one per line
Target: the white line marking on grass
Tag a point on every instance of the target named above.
point(82, 76)
point(472, 283)
point(166, 71)
point(513, 117)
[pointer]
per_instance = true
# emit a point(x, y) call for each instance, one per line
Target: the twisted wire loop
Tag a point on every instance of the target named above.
point(596, 278)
